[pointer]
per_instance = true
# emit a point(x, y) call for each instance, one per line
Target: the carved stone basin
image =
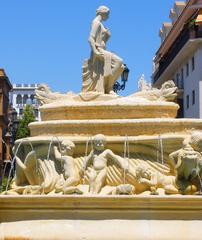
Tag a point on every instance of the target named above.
point(117, 127)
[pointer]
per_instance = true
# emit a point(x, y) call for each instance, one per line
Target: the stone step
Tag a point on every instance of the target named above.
point(117, 127)
point(108, 110)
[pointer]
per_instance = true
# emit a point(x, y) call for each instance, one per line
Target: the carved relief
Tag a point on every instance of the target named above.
point(167, 92)
point(154, 179)
point(70, 177)
point(96, 163)
point(188, 165)
point(104, 172)
point(35, 176)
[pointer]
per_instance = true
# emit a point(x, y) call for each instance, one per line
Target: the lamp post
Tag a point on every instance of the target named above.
point(7, 144)
point(124, 78)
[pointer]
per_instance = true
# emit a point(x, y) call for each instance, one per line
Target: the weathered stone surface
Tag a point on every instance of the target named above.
point(118, 217)
point(107, 110)
point(117, 127)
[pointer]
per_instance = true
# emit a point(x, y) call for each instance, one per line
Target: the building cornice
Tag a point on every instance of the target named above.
point(4, 76)
point(186, 51)
point(186, 14)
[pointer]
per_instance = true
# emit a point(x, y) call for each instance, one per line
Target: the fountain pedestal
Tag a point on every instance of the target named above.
point(101, 166)
point(140, 216)
point(106, 217)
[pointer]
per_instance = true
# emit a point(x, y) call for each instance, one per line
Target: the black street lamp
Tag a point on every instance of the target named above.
point(14, 114)
point(124, 78)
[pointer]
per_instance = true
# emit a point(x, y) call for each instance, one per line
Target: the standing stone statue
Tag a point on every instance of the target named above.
point(101, 71)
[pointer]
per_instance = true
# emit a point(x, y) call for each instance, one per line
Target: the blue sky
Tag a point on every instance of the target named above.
point(45, 41)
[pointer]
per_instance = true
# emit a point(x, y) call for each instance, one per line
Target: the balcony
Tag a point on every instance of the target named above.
point(186, 34)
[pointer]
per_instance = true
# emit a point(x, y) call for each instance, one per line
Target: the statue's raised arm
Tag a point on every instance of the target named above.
point(101, 71)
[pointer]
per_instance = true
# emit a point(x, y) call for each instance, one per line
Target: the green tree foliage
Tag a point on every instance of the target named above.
point(4, 184)
point(28, 117)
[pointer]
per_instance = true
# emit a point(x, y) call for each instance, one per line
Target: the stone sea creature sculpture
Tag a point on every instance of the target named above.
point(70, 174)
point(44, 95)
point(101, 71)
point(188, 165)
point(167, 92)
point(96, 163)
point(34, 176)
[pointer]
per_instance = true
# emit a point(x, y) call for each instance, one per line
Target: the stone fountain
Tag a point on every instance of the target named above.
point(102, 166)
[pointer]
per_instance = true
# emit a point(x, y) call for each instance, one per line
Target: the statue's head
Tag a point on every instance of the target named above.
point(99, 142)
point(168, 90)
point(143, 172)
point(43, 88)
point(186, 143)
point(67, 147)
point(103, 11)
point(41, 93)
point(196, 140)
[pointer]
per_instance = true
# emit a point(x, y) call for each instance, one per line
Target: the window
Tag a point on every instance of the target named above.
point(187, 69)
point(193, 97)
point(187, 98)
point(32, 98)
point(182, 79)
point(25, 97)
point(193, 63)
point(19, 99)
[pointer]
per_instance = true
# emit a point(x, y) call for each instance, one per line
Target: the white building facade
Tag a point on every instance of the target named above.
point(180, 57)
point(23, 94)
point(188, 77)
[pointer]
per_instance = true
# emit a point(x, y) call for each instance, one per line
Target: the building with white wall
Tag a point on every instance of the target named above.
point(179, 56)
point(23, 94)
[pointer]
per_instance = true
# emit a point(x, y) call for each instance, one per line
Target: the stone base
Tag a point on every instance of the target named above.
point(101, 230)
point(111, 217)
